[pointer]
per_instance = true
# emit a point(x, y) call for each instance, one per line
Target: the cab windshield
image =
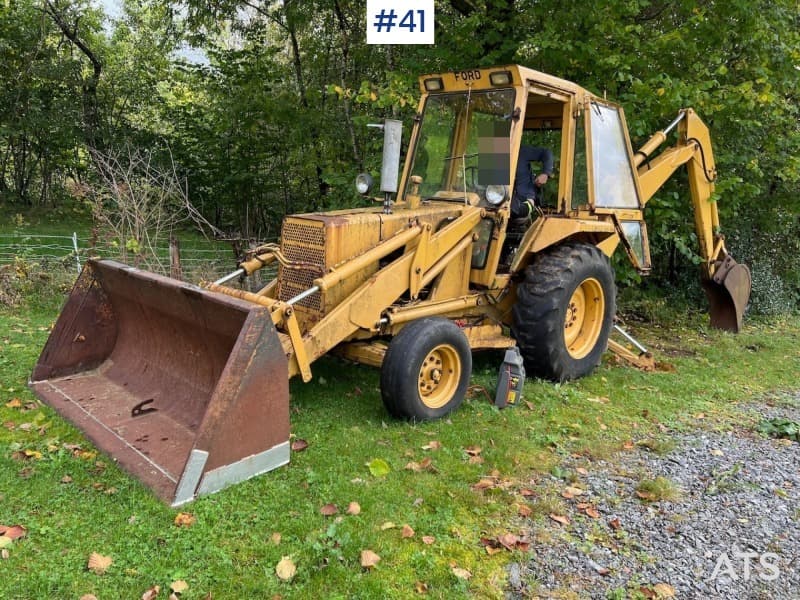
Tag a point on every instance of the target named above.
point(464, 143)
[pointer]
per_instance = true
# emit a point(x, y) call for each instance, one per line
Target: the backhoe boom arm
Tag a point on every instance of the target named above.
point(727, 283)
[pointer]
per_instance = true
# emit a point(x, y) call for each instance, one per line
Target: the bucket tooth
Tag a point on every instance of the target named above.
point(186, 388)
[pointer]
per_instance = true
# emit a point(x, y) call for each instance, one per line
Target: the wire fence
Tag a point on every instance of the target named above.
point(68, 253)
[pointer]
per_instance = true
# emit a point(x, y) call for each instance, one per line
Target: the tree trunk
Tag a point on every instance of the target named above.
point(91, 113)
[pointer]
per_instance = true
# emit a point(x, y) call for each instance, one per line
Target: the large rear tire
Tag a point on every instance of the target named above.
point(564, 311)
point(426, 370)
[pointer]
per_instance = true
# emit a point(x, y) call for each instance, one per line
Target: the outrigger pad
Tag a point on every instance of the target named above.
point(186, 388)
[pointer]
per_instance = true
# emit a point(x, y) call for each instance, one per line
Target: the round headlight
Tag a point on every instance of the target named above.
point(363, 183)
point(495, 194)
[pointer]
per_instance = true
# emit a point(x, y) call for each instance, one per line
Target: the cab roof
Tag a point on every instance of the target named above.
point(482, 78)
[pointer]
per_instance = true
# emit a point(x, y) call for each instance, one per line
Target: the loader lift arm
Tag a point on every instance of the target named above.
point(726, 282)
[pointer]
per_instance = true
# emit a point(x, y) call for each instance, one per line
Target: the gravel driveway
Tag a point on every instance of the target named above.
point(734, 532)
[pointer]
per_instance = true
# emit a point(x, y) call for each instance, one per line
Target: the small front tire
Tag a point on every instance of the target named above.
point(426, 370)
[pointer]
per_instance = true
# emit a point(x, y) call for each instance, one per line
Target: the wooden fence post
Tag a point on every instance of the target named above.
point(175, 270)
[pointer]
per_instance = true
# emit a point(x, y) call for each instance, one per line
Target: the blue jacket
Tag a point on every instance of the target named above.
point(524, 185)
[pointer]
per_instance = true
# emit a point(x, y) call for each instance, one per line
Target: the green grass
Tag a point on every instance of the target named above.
point(659, 489)
point(230, 552)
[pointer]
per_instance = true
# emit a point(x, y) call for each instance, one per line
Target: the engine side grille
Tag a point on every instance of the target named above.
point(304, 243)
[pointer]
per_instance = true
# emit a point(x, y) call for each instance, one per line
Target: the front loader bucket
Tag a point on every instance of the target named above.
point(186, 388)
point(728, 293)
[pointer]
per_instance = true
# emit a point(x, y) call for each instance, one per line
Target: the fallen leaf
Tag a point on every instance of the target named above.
point(527, 493)
point(529, 404)
point(428, 540)
point(599, 400)
point(628, 445)
point(179, 586)
point(664, 590)
point(484, 484)
point(421, 587)
point(152, 593)
point(647, 592)
point(388, 525)
point(717, 452)
point(174, 596)
point(14, 403)
point(407, 531)
point(66, 479)
point(432, 445)
point(559, 519)
point(276, 538)
point(592, 512)
point(378, 467)
point(461, 573)
point(329, 510)
point(88, 597)
point(473, 450)
point(369, 559)
point(354, 508)
point(299, 445)
point(423, 465)
point(646, 495)
point(492, 550)
point(571, 492)
point(615, 523)
point(5, 542)
point(581, 471)
point(14, 531)
point(508, 541)
point(476, 460)
point(285, 569)
point(184, 520)
point(524, 511)
point(4, 554)
point(98, 564)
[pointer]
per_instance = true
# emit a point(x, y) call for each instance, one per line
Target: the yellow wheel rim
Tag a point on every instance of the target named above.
point(438, 376)
point(584, 318)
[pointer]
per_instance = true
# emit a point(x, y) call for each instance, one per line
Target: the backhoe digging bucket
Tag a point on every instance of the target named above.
point(186, 388)
point(728, 293)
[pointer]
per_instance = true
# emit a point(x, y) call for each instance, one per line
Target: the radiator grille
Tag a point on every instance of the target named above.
point(302, 243)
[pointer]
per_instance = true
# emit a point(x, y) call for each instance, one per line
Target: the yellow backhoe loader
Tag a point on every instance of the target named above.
point(187, 387)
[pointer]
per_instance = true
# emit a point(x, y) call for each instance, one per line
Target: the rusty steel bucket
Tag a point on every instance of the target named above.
point(187, 389)
point(728, 293)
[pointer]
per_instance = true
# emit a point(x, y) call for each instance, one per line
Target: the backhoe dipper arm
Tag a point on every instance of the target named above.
point(726, 282)
point(694, 150)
